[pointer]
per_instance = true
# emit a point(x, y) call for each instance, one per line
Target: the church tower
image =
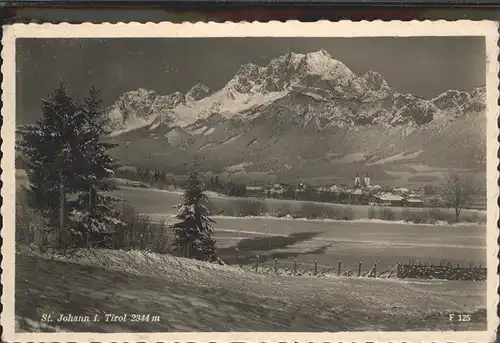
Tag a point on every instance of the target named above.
point(357, 181)
point(367, 180)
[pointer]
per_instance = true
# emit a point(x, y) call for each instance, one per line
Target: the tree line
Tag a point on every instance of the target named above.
point(159, 178)
point(69, 169)
point(456, 191)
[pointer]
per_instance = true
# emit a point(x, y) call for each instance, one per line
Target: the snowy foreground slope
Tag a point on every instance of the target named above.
point(188, 295)
point(301, 110)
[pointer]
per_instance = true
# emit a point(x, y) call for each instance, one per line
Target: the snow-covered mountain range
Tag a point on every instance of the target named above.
point(294, 97)
point(336, 94)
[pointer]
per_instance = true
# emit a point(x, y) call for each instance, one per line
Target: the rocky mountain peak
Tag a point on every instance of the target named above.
point(452, 99)
point(374, 79)
point(314, 69)
point(479, 94)
point(478, 100)
point(133, 108)
point(198, 92)
point(247, 80)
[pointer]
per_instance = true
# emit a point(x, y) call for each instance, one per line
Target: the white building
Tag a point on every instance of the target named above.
point(357, 192)
point(334, 188)
point(401, 190)
point(357, 181)
point(389, 199)
point(367, 181)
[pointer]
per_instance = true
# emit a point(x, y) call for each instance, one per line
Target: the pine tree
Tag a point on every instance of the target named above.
point(93, 212)
point(48, 149)
point(193, 232)
point(65, 157)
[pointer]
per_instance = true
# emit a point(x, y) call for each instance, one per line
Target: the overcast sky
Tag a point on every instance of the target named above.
point(423, 66)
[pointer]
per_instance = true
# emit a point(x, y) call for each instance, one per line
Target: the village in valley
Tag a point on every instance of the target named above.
point(362, 192)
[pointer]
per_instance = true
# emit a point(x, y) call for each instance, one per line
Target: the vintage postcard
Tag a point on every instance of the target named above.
point(250, 182)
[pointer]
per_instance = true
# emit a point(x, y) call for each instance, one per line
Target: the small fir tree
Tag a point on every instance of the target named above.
point(194, 231)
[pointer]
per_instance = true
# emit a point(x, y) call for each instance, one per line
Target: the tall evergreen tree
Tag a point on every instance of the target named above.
point(94, 213)
point(194, 231)
point(65, 157)
point(48, 149)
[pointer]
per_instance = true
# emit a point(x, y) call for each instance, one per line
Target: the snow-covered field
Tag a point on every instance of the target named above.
point(187, 295)
point(162, 201)
point(326, 241)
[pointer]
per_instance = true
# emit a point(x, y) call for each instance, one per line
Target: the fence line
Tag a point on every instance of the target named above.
point(316, 269)
point(413, 270)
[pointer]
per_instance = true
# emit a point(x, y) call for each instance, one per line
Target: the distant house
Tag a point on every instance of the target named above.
point(389, 199)
point(276, 189)
point(301, 188)
point(433, 201)
point(255, 190)
point(414, 194)
point(401, 190)
point(413, 202)
point(357, 192)
point(374, 187)
point(334, 188)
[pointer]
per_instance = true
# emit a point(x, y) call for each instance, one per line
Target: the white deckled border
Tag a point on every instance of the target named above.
point(256, 29)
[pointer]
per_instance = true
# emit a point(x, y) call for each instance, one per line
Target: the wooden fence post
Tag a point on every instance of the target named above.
point(257, 264)
point(392, 271)
point(315, 267)
point(340, 267)
point(294, 267)
point(275, 266)
point(359, 268)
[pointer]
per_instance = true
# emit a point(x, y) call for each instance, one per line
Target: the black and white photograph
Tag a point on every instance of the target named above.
point(260, 183)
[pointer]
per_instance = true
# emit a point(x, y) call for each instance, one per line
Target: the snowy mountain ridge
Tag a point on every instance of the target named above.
point(312, 86)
